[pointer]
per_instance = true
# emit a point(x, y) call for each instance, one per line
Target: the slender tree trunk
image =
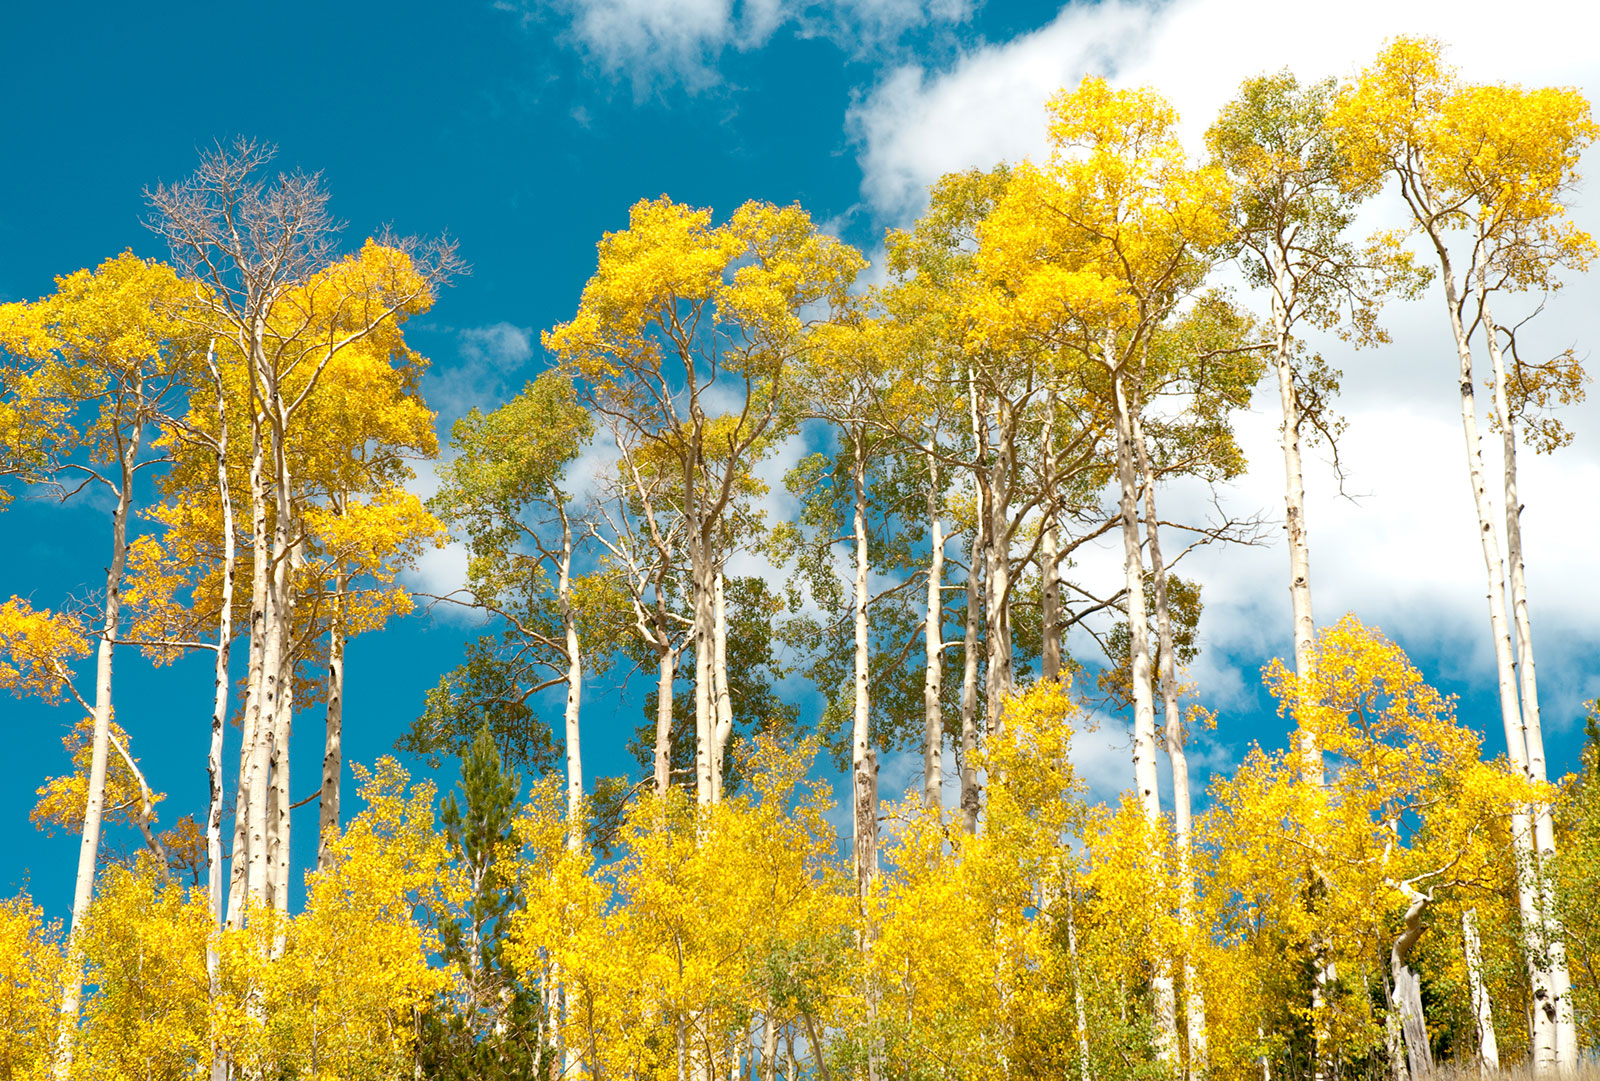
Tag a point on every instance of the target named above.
point(1544, 840)
point(250, 823)
point(1077, 992)
point(703, 727)
point(769, 1048)
point(1049, 553)
point(275, 553)
point(1294, 523)
point(569, 627)
point(1294, 496)
point(333, 737)
point(719, 681)
point(970, 799)
point(1482, 1013)
point(1176, 740)
point(702, 588)
point(94, 806)
point(993, 477)
point(1544, 1037)
point(863, 756)
point(666, 665)
point(219, 715)
point(281, 798)
point(933, 626)
point(1144, 722)
point(998, 676)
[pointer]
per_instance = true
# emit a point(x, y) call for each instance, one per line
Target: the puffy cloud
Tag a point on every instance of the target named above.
point(662, 41)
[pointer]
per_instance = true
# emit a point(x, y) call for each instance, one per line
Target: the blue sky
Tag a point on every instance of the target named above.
point(526, 130)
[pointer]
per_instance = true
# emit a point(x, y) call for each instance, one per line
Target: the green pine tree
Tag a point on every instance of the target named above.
point(490, 1027)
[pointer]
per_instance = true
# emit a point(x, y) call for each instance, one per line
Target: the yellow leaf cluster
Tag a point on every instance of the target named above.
point(36, 646)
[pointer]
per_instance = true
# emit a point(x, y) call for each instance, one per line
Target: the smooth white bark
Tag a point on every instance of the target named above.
point(1176, 739)
point(1482, 1011)
point(1144, 724)
point(100, 748)
point(1566, 1030)
point(333, 730)
point(569, 627)
point(933, 634)
point(219, 709)
point(970, 799)
point(1544, 1036)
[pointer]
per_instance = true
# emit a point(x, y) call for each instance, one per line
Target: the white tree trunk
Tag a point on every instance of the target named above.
point(1077, 992)
point(1406, 995)
point(702, 590)
point(998, 676)
point(569, 626)
point(666, 664)
point(933, 672)
point(281, 800)
point(1528, 687)
point(1543, 1036)
point(219, 713)
point(723, 713)
point(333, 736)
point(1176, 740)
point(863, 758)
point(970, 799)
point(703, 726)
point(250, 805)
point(1482, 1013)
point(1144, 722)
point(100, 749)
point(1294, 494)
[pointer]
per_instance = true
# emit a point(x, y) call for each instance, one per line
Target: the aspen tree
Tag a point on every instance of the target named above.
point(1405, 816)
point(31, 959)
point(1128, 226)
point(1483, 1013)
point(506, 492)
point(267, 282)
point(1484, 171)
point(1292, 207)
point(109, 342)
point(999, 391)
point(676, 301)
point(637, 522)
point(930, 410)
point(360, 546)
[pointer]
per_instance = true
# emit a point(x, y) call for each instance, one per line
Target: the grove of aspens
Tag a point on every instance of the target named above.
point(1052, 347)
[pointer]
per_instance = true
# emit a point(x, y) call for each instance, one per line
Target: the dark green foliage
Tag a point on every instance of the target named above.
point(488, 692)
point(490, 1028)
point(754, 672)
point(1185, 606)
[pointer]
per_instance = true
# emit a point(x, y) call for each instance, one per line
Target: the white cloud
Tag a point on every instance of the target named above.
point(482, 374)
point(661, 41)
point(501, 345)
